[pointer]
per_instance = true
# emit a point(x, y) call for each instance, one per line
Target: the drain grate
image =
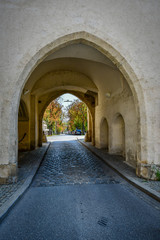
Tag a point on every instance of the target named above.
point(103, 222)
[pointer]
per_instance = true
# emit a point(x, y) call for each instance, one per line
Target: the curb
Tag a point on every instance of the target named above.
point(9, 204)
point(150, 192)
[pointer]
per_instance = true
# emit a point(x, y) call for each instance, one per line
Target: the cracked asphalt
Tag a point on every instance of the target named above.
point(75, 196)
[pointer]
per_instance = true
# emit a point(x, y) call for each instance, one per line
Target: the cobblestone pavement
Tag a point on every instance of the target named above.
point(76, 196)
point(71, 163)
point(119, 163)
point(27, 160)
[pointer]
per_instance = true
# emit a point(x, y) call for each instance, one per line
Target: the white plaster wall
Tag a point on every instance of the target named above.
point(131, 27)
point(109, 108)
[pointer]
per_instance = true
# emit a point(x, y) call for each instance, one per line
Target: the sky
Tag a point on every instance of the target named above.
point(67, 97)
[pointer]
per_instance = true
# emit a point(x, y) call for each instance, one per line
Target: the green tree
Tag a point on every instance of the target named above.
point(53, 116)
point(77, 114)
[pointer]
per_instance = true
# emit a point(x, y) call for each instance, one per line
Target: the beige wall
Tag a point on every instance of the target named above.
point(123, 104)
point(23, 136)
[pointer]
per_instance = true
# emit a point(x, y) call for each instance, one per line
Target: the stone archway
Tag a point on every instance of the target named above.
point(115, 56)
point(108, 51)
point(87, 99)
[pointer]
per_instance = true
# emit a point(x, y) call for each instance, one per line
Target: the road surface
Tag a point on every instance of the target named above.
point(75, 196)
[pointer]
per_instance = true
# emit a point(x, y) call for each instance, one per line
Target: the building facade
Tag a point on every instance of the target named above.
point(105, 52)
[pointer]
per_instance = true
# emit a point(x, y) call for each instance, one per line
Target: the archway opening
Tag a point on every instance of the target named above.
point(85, 72)
point(118, 136)
point(65, 115)
point(104, 135)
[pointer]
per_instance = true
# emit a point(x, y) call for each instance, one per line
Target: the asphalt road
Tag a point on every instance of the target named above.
point(75, 196)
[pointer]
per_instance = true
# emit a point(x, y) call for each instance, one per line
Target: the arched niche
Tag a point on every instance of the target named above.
point(118, 135)
point(104, 133)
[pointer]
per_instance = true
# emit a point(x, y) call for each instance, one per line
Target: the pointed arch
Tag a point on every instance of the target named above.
point(105, 48)
point(115, 56)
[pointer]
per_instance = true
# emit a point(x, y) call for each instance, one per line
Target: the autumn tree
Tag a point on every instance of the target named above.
point(77, 114)
point(53, 116)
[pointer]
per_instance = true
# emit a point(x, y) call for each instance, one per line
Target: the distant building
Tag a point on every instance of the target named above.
point(45, 129)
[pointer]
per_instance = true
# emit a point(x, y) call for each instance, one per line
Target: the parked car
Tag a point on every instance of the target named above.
point(78, 132)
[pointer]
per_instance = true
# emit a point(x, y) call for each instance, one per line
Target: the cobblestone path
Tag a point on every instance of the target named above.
point(26, 163)
point(75, 196)
point(71, 163)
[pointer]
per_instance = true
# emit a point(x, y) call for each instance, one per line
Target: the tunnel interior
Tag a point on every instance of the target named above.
point(83, 71)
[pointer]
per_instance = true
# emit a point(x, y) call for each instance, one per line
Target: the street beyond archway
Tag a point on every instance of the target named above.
point(76, 196)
